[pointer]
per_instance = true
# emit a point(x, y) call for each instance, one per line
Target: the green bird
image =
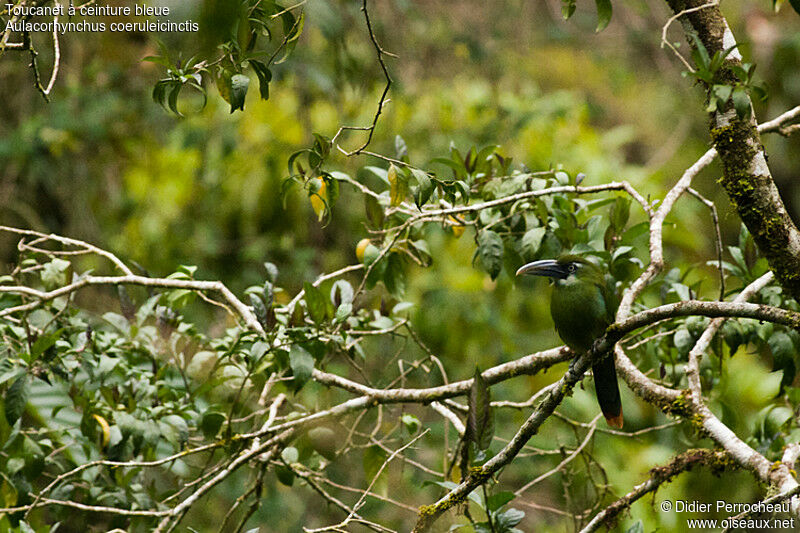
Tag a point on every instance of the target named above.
point(582, 307)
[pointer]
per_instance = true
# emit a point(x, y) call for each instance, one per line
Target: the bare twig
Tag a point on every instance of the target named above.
point(717, 241)
point(564, 462)
point(380, 52)
point(672, 19)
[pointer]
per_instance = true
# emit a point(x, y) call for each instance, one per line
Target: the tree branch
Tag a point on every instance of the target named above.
point(746, 176)
point(658, 476)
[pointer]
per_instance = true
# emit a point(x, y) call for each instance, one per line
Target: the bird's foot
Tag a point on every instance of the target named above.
point(597, 346)
point(572, 364)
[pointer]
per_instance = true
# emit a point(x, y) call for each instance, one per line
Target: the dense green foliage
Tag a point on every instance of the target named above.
point(478, 150)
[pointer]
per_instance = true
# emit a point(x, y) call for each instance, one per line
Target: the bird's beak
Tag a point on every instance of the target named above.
point(544, 267)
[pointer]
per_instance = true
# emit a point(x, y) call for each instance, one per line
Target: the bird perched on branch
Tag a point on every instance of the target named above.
point(583, 306)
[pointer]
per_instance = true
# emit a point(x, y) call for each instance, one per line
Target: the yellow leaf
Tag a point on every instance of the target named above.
point(458, 228)
point(318, 196)
point(105, 428)
point(398, 182)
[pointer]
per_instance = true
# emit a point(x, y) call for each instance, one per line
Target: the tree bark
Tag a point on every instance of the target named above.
point(746, 175)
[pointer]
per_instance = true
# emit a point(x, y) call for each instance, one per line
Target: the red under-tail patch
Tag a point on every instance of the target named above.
point(615, 421)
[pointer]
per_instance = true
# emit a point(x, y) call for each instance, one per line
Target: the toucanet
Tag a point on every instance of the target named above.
point(583, 306)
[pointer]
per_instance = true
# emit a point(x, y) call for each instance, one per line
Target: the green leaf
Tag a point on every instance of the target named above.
point(43, 343)
point(202, 365)
point(323, 440)
point(272, 272)
point(422, 252)
point(290, 454)
point(264, 76)
point(163, 61)
point(343, 311)
point(700, 55)
point(722, 92)
point(211, 423)
point(531, 242)
point(449, 485)
point(741, 102)
point(567, 8)
point(54, 273)
point(284, 475)
point(394, 277)
point(179, 298)
point(400, 148)
point(268, 292)
point(738, 256)
point(637, 527)
point(14, 465)
point(374, 211)
point(683, 342)
point(292, 28)
point(382, 322)
point(179, 426)
point(759, 92)
point(480, 417)
point(302, 364)
point(496, 501)
point(322, 145)
point(223, 80)
point(620, 212)
point(490, 251)
point(159, 92)
point(315, 303)
point(462, 187)
point(603, 14)
point(401, 307)
point(422, 192)
point(16, 399)
point(509, 518)
point(172, 98)
point(374, 457)
point(719, 58)
point(260, 311)
point(783, 354)
point(342, 292)
point(379, 172)
point(8, 492)
point(411, 423)
point(238, 90)
point(744, 237)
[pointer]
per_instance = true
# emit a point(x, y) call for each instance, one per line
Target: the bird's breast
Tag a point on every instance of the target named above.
point(579, 313)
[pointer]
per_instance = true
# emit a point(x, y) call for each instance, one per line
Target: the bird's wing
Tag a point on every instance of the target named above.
point(607, 288)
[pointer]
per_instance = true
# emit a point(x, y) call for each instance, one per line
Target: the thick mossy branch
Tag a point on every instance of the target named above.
point(746, 175)
point(717, 461)
point(754, 196)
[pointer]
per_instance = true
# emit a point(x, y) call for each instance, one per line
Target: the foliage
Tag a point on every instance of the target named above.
point(137, 409)
point(146, 384)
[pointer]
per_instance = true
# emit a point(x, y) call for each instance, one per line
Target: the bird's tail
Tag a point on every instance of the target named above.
point(607, 389)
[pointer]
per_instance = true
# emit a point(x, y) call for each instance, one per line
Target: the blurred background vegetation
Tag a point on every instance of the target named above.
point(102, 162)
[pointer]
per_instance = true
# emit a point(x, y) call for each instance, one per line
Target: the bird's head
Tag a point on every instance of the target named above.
point(561, 268)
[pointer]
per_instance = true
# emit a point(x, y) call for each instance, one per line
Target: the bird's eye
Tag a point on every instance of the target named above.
point(572, 268)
